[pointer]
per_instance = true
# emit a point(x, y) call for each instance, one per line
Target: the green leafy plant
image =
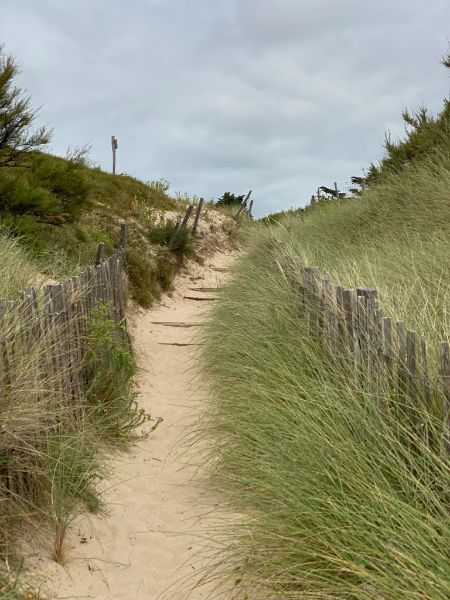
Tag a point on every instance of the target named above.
point(109, 368)
point(182, 242)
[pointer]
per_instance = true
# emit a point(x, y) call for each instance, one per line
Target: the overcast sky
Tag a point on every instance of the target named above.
point(280, 96)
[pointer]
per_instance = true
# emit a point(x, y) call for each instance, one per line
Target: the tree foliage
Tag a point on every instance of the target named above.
point(16, 117)
point(425, 135)
point(229, 199)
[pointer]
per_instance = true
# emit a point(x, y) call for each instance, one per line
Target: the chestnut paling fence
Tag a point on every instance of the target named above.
point(386, 358)
point(44, 337)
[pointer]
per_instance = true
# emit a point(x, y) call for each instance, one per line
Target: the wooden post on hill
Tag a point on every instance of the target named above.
point(173, 237)
point(114, 146)
point(336, 190)
point(123, 237)
point(187, 216)
point(444, 367)
point(243, 204)
point(197, 215)
point(99, 256)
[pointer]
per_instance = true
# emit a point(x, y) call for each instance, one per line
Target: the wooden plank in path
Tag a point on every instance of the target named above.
point(176, 324)
point(199, 299)
point(181, 344)
point(204, 289)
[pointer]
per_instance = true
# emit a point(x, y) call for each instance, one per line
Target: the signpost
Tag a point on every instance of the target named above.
point(114, 146)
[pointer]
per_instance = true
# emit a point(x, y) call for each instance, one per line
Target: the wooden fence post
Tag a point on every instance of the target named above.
point(175, 231)
point(347, 298)
point(243, 204)
point(425, 375)
point(99, 255)
point(197, 216)
point(123, 237)
point(401, 366)
point(187, 216)
point(411, 363)
point(444, 368)
point(387, 344)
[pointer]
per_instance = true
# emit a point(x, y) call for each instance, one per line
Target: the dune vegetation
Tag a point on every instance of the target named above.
point(338, 498)
point(54, 212)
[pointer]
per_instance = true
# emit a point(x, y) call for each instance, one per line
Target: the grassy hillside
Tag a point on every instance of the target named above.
point(339, 499)
point(61, 209)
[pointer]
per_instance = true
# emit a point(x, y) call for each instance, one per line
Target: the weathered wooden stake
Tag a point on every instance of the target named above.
point(444, 367)
point(425, 375)
point(175, 231)
point(197, 215)
point(411, 361)
point(99, 256)
point(123, 237)
point(243, 204)
point(387, 343)
point(187, 216)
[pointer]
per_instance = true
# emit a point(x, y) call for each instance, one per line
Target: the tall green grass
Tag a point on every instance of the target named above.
point(337, 498)
point(17, 269)
point(335, 504)
point(394, 238)
point(53, 446)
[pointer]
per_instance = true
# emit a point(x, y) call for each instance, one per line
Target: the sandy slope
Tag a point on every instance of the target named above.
point(152, 540)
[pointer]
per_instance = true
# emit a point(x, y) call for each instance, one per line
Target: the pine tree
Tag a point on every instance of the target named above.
point(16, 117)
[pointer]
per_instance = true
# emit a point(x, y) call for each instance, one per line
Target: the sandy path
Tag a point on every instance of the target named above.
point(150, 543)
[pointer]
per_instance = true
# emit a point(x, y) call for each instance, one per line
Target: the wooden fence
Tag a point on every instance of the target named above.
point(44, 334)
point(386, 358)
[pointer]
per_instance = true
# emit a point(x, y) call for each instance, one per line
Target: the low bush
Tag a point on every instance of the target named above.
point(182, 242)
point(109, 369)
point(49, 188)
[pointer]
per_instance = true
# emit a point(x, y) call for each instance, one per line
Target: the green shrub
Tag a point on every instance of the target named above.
point(140, 272)
point(165, 271)
point(182, 244)
point(19, 196)
point(63, 179)
point(229, 199)
point(48, 188)
point(426, 135)
point(109, 368)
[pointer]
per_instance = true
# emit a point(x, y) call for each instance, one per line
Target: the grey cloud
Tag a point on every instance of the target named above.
point(275, 95)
